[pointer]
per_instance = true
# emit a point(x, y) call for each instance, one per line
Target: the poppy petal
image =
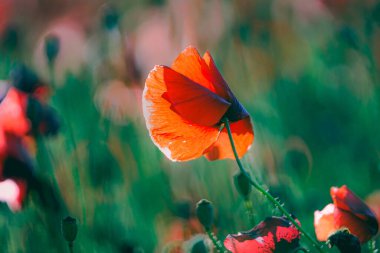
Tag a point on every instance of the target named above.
point(324, 223)
point(242, 133)
point(220, 84)
point(346, 200)
point(174, 136)
point(356, 226)
point(12, 113)
point(193, 102)
point(273, 234)
point(190, 64)
point(262, 244)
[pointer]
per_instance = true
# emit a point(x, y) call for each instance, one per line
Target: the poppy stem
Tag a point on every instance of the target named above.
point(71, 247)
point(266, 193)
point(218, 245)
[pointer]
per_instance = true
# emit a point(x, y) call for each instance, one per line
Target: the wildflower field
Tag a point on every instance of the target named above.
point(189, 126)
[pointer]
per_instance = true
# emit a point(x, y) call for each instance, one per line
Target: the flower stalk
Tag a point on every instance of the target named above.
point(217, 244)
point(266, 193)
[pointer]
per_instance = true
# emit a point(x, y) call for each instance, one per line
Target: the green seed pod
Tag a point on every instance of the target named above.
point(205, 213)
point(242, 184)
point(69, 228)
point(51, 48)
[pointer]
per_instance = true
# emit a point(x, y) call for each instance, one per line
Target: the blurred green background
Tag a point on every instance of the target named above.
point(307, 72)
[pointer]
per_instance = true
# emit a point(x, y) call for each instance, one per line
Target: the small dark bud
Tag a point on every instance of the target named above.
point(344, 241)
point(51, 48)
point(10, 39)
point(44, 119)
point(199, 247)
point(24, 79)
point(205, 213)
point(69, 229)
point(376, 14)
point(183, 210)
point(110, 18)
point(242, 184)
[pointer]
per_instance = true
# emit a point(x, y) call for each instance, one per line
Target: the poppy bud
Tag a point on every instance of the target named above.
point(44, 119)
point(199, 247)
point(242, 184)
point(110, 18)
point(10, 39)
point(205, 213)
point(69, 229)
point(51, 47)
point(24, 79)
point(344, 241)
point(182, 210)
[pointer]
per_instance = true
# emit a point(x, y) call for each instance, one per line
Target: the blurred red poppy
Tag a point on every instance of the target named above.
point(23, 114)
point(347, 211)
point(274, 234)
point(13, 193)
point(183, 108)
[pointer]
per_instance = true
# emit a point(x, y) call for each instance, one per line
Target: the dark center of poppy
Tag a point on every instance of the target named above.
point(236, 111)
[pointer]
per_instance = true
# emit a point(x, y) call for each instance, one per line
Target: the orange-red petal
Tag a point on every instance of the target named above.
point(221, 86)
point(324, 223)
point(190, 64)
point(356, 226)
point(191, 101)
point(177, 138)
point(242, 133)
point(346, 200)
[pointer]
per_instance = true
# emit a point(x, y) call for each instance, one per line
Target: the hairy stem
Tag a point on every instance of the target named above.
point(218, 245)
point(266, 193)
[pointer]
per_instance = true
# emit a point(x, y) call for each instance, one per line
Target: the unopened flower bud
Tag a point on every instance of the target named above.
point(51, 48)
point(199, 247)
point(69, 229)
point(205, 213)
point(110, 18)
point(24, 79)
point(242, 184)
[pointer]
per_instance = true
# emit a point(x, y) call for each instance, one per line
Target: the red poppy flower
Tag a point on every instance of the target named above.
point(13, 112)
point(349, 211)
point(274, 234)
point(23, 114)
point(183, 108)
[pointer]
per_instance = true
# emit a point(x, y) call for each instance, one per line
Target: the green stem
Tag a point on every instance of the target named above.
point(218, 245)
point(71, 247)
point(75, 169)
point(266, 193)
